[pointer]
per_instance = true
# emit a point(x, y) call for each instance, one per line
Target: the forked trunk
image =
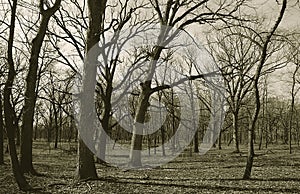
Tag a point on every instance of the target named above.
point(30, 92)
point(8, 109)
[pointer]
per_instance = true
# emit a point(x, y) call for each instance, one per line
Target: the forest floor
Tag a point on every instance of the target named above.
point(218, 171)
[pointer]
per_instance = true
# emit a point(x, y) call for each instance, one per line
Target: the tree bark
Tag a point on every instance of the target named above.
point(86, 167)
point(30, 93)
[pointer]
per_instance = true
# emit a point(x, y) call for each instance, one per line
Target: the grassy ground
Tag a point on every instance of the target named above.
point(219, 171)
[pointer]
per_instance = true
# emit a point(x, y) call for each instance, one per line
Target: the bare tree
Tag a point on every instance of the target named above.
point(294, 58)
point(8, 109)
point(236, 57)
point(46, 12)
point(263, 58)
point(169, 16)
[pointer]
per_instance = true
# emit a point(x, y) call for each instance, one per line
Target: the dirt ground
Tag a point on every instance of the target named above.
point(219, 171)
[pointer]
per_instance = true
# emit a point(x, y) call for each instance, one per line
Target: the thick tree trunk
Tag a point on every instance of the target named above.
point(86, 166)
point(30, 92)
point(136, 140)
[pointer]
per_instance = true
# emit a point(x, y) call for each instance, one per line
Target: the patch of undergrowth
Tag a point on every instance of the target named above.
point(218, 171)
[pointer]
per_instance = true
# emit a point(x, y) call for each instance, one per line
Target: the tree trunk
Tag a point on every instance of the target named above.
point(60, 126)
point(30, 92)
point(8, 109)
point(1, 133)
point(49, 130)
point(143, 104)
point(56, 125)
point(220, 141)
point(137, 137)
point(86, 166)
point(105, 121)
point(196, 142)
point(248, 169)
point(162, 129)
point(292, 108)
point(18, 133)
point(261, 126)
point(247, 173)
point(235, 117)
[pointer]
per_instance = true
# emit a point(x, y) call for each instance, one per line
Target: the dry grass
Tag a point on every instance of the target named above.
point(219, 171)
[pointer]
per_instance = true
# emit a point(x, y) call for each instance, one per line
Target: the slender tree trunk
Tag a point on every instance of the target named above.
point(247, 173)
point(49, 130)
point(30, 92)
point(196, 139)
point(235, 117)
point(220, 141)
point(86, 167)
point(60, 126)
point(248, 169)
point(162, 129)
point(56, 125)
point(1, 132)
point(196, 142)
point(173, 121)
point(292, 109)
point(298, 135)
point(262, 126)
point(8, 109)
